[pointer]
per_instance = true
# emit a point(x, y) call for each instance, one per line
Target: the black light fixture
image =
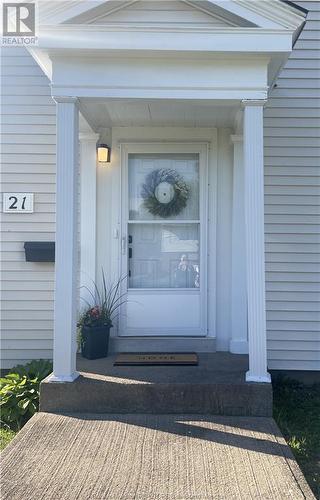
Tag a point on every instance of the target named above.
point(103, 153)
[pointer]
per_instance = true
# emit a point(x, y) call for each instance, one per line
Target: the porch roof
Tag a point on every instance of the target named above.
point(217, 28)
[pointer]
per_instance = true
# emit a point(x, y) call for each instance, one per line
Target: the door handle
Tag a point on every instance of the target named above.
point(123, 245)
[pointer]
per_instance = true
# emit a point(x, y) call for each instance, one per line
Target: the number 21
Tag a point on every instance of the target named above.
point(13, 205)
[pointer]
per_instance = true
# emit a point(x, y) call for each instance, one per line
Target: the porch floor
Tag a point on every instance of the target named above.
point(150, 457)
point(216, 386)
point(215, 367)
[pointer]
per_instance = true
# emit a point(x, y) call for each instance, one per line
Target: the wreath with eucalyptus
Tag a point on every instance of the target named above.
point(165, 193)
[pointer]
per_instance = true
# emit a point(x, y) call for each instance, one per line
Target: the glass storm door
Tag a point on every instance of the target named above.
point(164, 247)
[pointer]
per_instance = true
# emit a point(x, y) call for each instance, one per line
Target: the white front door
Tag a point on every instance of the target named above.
point(164, 240)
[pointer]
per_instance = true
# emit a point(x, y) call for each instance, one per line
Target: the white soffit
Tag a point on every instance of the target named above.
point(148, 113)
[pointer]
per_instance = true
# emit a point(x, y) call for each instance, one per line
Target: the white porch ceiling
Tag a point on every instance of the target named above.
point(105, 114)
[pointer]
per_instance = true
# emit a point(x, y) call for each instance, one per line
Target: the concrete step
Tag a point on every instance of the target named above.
point(217, 387)
point(95, 395)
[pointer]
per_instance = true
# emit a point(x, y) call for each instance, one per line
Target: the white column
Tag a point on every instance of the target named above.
point(88, 195)
point(239, 327)
point(254, 220)
point(66, 261)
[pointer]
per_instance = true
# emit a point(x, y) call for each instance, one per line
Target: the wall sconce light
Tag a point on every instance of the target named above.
point(103, 153)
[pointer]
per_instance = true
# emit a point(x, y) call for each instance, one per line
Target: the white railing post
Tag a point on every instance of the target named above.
point(239, 326)
point(66, 260)
point(254, 222)
point(88, 195)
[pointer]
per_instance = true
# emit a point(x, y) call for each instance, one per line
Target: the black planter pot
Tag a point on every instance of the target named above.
point(95, 341)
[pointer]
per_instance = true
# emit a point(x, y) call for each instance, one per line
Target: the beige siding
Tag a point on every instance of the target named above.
point(28, 165)
point(292, 205)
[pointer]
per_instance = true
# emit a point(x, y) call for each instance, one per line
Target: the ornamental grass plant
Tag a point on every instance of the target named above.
point(104, 304)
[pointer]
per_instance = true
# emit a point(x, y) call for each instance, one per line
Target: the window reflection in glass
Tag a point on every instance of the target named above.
point(164, 256)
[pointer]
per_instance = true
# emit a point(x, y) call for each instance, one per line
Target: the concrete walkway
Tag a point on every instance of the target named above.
point(150, 457)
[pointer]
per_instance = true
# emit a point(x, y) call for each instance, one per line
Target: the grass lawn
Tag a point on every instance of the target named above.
point(296, 410)
point(5, 437)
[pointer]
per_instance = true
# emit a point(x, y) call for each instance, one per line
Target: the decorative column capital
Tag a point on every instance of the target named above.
point(88, 137)
point(236, 139)
point(65, 99)
point(253, 102)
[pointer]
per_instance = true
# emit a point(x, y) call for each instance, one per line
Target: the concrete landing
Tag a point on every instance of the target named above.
point(216, 386)
point(149, 457)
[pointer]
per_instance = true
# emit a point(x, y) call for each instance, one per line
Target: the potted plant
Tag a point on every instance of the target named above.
point(96, 319)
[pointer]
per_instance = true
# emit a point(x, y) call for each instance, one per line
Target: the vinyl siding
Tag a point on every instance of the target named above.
point(28, 165)
point(292, 205)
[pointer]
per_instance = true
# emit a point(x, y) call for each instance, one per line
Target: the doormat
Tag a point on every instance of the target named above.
point(157, 359)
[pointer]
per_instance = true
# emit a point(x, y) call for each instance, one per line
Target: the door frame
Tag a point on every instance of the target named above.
point(201, 148)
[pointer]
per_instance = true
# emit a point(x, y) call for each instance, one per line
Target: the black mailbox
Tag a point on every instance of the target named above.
point(39, 251)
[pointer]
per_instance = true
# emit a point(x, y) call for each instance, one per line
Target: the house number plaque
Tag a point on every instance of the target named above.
point(18, 203)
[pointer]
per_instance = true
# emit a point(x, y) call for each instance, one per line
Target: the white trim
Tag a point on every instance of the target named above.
point(62, 378)
point(263, 14)
point(88, 197)
point(172, 38)
point(163, 344)
point(162, 93)
point(170, 221)
point(238, 125)
point(89, 137)
point(163, 28)
point(238, 346)
point(43, 61)
point(66, 292)
point(236, 138)
point(238, 342)
point(212, 237)
point(177, 147)
point(261, 379)
point(279, 12)
point(254, 102)
point(254, 225)
point(66, 99)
